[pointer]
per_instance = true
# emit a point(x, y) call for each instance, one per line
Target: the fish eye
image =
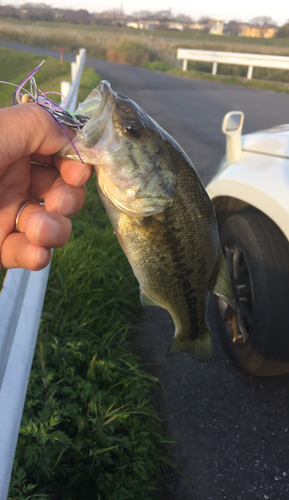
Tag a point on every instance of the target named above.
point(133, 128)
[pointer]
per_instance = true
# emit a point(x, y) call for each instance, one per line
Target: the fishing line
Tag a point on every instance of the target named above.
point(61, 115)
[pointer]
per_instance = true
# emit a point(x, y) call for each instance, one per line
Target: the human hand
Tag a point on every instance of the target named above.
point(28, 133)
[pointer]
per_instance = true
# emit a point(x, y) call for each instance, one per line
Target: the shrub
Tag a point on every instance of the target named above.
point(283, 32)
point(157, 66)
point(129, 51)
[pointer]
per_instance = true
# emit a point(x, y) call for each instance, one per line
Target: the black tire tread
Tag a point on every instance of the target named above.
point(267, 252)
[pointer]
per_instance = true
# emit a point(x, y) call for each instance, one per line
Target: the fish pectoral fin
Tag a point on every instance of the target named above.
point(220, 282)
point(199, 348)
point(146, 300)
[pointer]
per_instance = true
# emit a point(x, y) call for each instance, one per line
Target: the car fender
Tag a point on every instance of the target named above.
point(259, 180)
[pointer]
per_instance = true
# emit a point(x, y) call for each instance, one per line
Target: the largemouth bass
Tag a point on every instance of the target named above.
point(160, 212)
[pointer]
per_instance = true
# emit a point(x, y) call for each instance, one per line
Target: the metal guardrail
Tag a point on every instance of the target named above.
point(21, 302)
point(70, 91)
point(250, 60)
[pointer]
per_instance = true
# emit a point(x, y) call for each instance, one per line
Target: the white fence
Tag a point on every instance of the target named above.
point(21, 302)
point(250, 60)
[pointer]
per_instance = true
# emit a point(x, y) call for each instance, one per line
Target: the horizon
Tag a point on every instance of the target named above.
point(224, 9)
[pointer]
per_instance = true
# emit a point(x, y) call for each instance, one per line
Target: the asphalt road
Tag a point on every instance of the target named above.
point(231, 430)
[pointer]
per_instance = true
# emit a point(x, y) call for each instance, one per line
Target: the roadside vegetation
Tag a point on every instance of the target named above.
point(16, 66)
point(89, 430)
point(154, 49)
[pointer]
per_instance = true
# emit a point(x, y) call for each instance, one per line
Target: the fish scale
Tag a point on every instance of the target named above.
point(171, 267)
point(160, 212)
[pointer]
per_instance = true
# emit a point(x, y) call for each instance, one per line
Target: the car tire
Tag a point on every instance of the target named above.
point(257, 255)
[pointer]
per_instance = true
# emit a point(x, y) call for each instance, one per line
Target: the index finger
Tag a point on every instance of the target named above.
point(26, 129)
point(73, 172)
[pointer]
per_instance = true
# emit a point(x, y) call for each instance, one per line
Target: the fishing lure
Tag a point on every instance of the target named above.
point(60, 114)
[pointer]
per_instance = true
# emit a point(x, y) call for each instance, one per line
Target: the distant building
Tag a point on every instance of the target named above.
point(144, 25)
point(175, 26)
point(154, 24)
point(216, 25)
point(257, 31)
point(196, 26)
point(213, 25)
point(113, 17)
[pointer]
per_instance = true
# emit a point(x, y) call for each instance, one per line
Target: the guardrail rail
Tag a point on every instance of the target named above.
point(250, 60)
point(21, 302)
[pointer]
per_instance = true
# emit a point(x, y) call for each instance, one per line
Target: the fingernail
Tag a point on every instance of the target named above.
point(67, 204)
point(48, 229)
point(79, 180)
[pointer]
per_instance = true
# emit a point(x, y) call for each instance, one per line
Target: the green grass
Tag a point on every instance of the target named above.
point(154, 33)
point(16, 66)
point(153, 49)
point(88, 429)
point(233, 80)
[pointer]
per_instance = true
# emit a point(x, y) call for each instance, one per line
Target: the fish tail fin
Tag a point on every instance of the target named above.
point(220, 282)
point(200, 348)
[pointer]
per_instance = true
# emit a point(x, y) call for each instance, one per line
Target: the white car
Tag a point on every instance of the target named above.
point(250, 193)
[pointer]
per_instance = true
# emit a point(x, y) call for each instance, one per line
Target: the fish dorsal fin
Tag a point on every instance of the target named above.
point(220, 282)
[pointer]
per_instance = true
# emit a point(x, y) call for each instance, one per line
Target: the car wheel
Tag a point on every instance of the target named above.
point(257, 255)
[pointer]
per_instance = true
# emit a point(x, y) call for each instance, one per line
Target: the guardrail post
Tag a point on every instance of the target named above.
point(18, 366)
point(249, 60)
point(214, 69)
point(76, 69)
point(73, 71)
point(64, 88)
point(77, 60)
point(250, 72)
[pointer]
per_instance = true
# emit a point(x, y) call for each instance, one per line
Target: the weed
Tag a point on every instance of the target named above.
point(153, 49)
point(233, 80)
point(88, 429)
point(130, 51)
point(157, 66)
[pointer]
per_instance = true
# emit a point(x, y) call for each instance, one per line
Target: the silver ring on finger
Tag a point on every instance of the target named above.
point(17, 230)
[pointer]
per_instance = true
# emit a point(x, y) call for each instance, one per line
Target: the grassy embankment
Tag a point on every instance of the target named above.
point(155, 49)
point(88, 430)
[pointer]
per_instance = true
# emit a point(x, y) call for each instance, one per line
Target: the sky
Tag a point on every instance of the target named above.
point(226, 9)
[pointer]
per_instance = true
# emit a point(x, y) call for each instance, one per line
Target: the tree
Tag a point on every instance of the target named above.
point(205, 22)
point(29, 5)
point(164, 15)
point(143, 14)
point(283, 32)
point(263, 23)
point(232, 27)
point(183, 18)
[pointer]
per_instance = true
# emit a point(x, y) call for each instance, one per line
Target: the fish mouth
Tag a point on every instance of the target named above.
point(104, 88)
point(94, 104)
point(97, 108)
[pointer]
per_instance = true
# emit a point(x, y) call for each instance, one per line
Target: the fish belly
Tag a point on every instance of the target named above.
point(172, 255)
